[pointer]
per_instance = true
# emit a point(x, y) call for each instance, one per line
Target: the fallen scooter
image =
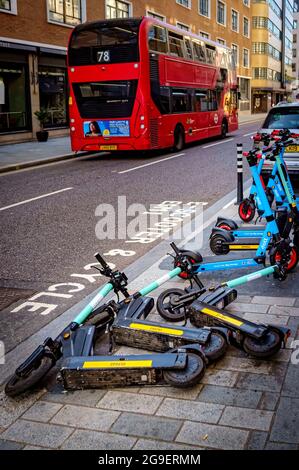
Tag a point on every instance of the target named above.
point(76, 341)
point(260, 341)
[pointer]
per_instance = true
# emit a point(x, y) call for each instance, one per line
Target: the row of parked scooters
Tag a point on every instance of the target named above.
point(182, 353)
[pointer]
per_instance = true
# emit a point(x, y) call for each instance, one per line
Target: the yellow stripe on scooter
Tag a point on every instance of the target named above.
point(156, 329)
point(243, 247)
point(117, 364)
point(220, 316)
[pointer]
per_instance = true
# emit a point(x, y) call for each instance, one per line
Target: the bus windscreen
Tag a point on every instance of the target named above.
point(105, 43)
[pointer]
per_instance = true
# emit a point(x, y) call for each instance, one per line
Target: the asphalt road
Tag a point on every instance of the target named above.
point(48, 240)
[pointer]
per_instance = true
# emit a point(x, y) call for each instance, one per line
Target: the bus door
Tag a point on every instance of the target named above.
point(214, 115)
point(202, 113)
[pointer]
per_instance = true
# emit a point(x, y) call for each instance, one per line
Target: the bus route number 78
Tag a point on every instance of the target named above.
point(104, 56)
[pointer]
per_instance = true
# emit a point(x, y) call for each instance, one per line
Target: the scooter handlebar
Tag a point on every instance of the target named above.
point(101, 260)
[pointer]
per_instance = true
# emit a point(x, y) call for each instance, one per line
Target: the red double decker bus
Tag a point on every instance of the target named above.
point(140, 84)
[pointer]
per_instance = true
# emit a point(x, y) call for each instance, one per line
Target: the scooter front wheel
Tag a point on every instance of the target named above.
point(293, 260)
point(247, 210)
point(20, 384)
point(166, 310)
point(265, 347)
point(191, 375)
point(216, 348)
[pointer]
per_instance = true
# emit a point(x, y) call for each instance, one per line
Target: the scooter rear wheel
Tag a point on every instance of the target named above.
point(265, 347)
point(191, 375)
point(17, 385)
point(247, 210)
point(219, 245)
point(169, 313)
point(216, 348)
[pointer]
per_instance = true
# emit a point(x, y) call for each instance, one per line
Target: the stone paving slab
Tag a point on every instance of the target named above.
point(85, 418)
point(211, 436)
point(147, 426)
point(190, 410)
point(89, 440)
point(281, 301)
point(257, 440)
point(41, 434)
point(148, 444)
point(42, 411)
point(235, 416)
point(230, 396)
point(286, 423)
point(124, 401)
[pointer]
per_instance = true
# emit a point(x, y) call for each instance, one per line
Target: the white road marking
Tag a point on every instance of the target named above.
point(251, 133)
point(151, 163)
point(218, 143)
point(35, 199)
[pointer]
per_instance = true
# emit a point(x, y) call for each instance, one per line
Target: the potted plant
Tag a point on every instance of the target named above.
point(42, 115)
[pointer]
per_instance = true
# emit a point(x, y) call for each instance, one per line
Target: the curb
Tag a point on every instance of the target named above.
point(21, 166)
point(32, 164)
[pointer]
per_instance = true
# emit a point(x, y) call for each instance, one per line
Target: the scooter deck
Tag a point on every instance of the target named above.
point(78, 373)
point(201, 314)
point(220, 298)
point(156, 336)
point(131, 329)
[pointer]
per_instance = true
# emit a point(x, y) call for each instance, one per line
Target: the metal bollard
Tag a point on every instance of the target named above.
point(240, 173)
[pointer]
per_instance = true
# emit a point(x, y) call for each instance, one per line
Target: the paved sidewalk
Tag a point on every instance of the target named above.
point(241, 403)
point(26, 154)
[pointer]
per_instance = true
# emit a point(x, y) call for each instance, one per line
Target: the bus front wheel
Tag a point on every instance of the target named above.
point(179, 138)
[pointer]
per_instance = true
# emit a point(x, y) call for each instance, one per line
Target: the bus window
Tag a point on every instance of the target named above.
point(188, 48)
point(199, 52)
point(158, 39)
point(211, 55)
point(181, 101)
point(201, 100)
point(176, 44)
point(213, 103)
point(165, 99)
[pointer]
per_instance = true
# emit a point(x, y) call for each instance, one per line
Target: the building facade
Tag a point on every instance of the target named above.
point(272, 29)
point(295, 64)
point(34, 37)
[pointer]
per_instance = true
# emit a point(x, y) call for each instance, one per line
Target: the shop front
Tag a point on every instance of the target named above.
point(32, 78)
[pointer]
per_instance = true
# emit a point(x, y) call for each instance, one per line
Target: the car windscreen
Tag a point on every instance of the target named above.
point(282, 118)
point(111, 99)
point(105, 43)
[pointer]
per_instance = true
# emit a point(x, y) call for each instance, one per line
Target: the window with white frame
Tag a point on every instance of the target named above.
point(235, 51)
point(152, 14)
point(117, 9)
point(8, 6)
point(204, 35)
point(204, 7)
point(183, 26)
point(184, 3)
point(246, 27)
point(69, 12)
point(221, 12)
point(246, 3)
point(235, 21)
point(246, 58)
point(221, 41)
